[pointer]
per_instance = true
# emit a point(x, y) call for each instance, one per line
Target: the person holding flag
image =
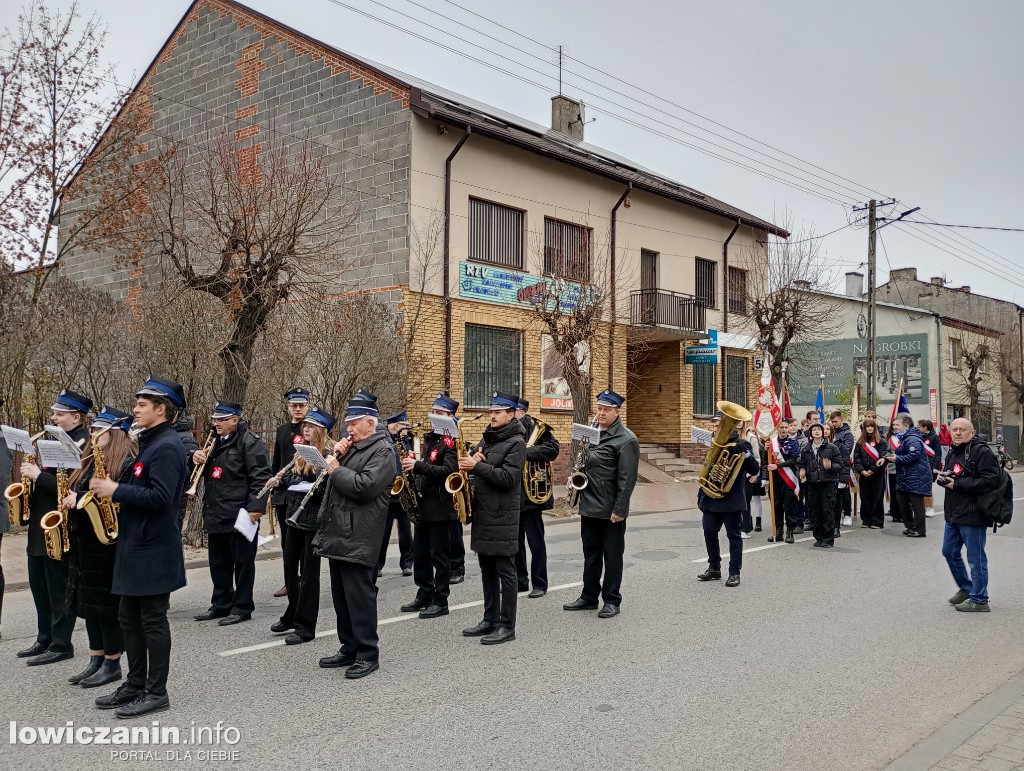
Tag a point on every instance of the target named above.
point(819, 403)
point(782, 489)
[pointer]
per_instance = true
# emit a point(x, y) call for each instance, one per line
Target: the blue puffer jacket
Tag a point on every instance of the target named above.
point(913, 467)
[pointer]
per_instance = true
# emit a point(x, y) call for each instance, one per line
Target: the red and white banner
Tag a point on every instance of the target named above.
point(769, 413)
point(788, 475)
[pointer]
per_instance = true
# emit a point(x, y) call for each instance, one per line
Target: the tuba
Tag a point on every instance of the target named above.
point(722, 464)
point(578, 479)
point(102, 512)
point(538, 475)
point(55, 523)
point(17, 494)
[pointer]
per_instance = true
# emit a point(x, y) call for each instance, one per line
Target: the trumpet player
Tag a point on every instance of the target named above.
point(531, 514)
point(288, 435)
point(234, 472)
point(611, 471)
point(91, 561)
point(398, 431)
point(48, 578)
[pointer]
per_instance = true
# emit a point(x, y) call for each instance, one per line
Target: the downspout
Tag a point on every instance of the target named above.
point(446, 285)
point(725, 280)
point(611, 279)
point(941, 407)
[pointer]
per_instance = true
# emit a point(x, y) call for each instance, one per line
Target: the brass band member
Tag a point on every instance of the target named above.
point(301, 565)
point(92, 560)
point(288, 435)
point(497, 468)
point(149, 562)
point(6, 465)
point(398, 428)
point(48, 578)
point(349, 530)
point(531, 515)
point(235, 472)
point(431, 546)
point(604, 505)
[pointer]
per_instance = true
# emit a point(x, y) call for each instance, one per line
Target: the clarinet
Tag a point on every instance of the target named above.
point(297, 519)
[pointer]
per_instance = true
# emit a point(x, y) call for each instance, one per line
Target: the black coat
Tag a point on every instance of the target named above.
point(862, 461)
point(931, 440)
point(438, 462)
point(351, 522)
point(44, 498)
point(288, 435)
point(497, 485)
point(6, 464)
point(810, 463)
point(183, 428)
point(236, 470)
point(148, 558)
point(612, 470)
point(975, 471)
point(736, 499)
point(545, 451)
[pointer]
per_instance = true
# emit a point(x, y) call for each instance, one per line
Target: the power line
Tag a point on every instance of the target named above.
point(941, 247)
point(969, 227)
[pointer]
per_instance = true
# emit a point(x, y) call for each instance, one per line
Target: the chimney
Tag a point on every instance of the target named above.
point(965, 289)
point(855, 284)
point(567, 117)
point(904, 274)
point(937, 280)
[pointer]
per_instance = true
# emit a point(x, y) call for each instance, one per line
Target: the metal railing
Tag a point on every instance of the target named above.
point(662, 308)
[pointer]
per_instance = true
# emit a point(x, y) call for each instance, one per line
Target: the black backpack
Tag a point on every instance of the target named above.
point(997, 504)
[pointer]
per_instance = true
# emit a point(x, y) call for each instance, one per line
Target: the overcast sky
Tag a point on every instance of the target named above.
point(919, 100)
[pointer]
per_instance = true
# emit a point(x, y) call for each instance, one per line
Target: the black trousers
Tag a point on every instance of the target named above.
point(397, 514)
point(458, 550)
point(912, 506)
point(233, 570)
point(821, 502)
point(531, 530)
point(499, 579)
point(302, 578)
point(55, 619)
point(281, 510)
point(147, 640)
point(432, 561)
point(354, 591)
point(894, 500)
point(104, 635)
point(604, 543)
point(872, 500)
point(844, 504)
point(713, 522)
point(786, 512)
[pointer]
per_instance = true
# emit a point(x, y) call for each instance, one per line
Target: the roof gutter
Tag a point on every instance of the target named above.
point(612, 287)
point(446, 285)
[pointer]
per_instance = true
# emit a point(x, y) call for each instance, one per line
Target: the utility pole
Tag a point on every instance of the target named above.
point(872, 226)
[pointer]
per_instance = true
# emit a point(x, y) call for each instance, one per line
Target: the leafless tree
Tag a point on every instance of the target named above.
point(974, 356)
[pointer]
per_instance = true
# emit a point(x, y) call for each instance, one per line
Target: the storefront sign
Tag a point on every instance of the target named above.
point(708, 353)
point(492, 284)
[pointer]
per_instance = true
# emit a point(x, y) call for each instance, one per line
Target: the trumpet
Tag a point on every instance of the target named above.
point(18, 493)
point(197, 474)
point(578, 479)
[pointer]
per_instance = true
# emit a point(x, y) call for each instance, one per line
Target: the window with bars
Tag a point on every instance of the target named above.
point(704, 281)
point(496, 234)
point(567, 249)
point(955, 353)
point(493, 363)
point(703, 389)
point(738, 291)
point(736, 380)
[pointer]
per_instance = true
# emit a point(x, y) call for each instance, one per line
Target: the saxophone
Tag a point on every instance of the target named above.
point(102, 512)
point(407, 493)
point(578, 479)
point(18, 494)
point(457, 483)
point(55, 523)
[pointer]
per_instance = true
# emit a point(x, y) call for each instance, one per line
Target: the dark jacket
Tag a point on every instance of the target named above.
point(438, 462)
point(351, 522)
point(844, 440)
point(44, 498)
point(913, 469)
point(497, 485)
point(862, 461)
point(736, 499)
point(293, 498)
point(288, 435)
point(612, 469)
point(544, 451)
point(183, 428)
point(975, 471)
point(931, 440)
point(148, 558)
point(811, 463)
point(236, 470)
point(6, 465)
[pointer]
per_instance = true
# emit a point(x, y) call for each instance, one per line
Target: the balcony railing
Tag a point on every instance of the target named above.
point(661, 308)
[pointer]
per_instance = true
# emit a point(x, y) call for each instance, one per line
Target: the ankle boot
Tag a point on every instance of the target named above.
point(757, 525)
point(91, 668)
point(108, 673)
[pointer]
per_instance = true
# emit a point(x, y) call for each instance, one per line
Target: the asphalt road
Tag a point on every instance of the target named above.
point(841, 658)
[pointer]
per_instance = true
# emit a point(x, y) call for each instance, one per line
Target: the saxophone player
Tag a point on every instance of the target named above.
point(604, 505)
point(398, 431)
point(531, 514)
point(48, 578)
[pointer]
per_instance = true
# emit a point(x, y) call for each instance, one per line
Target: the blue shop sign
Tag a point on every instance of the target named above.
point(510, 287)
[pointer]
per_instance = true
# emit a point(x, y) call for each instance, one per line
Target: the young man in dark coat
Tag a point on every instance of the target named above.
point(350, 527)
point(236, 470)
point(149, 562)
point(497, 469)
point(604, 506)
point(48, 578)
point(286, 437)
point(531, 515)
point(913, 474)
point(844, 440)
point(821, 462)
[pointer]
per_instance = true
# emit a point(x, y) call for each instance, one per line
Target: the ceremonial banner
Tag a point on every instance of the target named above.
point(769, 413)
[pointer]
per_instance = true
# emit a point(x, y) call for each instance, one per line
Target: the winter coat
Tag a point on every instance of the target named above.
point(811, 463)
point(545, 451)
point(293, 498)
point(844, 440)
point(736, 499)
point(975, 471)
point(439, 460)
point(863, 461)
point(288, 435)
point(6, 465)
point(913, 468)
point(497, 487)
point(612, 470)
point(931, 439)
point(354, 513)
point(236, 470)
point(945, 438)
point(44, 498)
point(183, 428)
point(148, 558)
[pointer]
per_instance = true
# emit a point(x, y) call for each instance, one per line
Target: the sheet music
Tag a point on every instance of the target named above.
point(311, 455)
point(17, 440)
point(442, 424)
point(245, 525)
point(62, 436)
point(300, 487)
point(53, 454)
point(589, 434)
point(701, 436)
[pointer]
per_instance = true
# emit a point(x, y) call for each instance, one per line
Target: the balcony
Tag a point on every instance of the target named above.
point(666, 310)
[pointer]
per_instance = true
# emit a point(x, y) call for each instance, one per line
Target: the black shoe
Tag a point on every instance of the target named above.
point(789, 537)
point(797, 531)
point(827, 545)
point(110, 672)
point(413, 607)
point(406, 572)
point(50, 657)
point(95, 662)
point(817, 543)
point(209, 615)
point(733, 580)
point(33, 650)
point(296, 639)
point(500, 635)
point(126, 693)
point(837, 533)
point(866, 527)
point(234, 618)
point(608, 611)
point(457, 579)
point(339, 659)
point(380, 572)
point(361, 669)
point(433, 611)
point(279, 627)
point(710, 575)
point(757, 528)
point(144, 704)
point(537, 593)
point(897, 519)
point(580, 604)
point(484, 627)
point(911, 534)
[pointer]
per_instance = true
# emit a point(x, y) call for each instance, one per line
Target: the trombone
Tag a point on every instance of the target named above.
point(197, 474)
